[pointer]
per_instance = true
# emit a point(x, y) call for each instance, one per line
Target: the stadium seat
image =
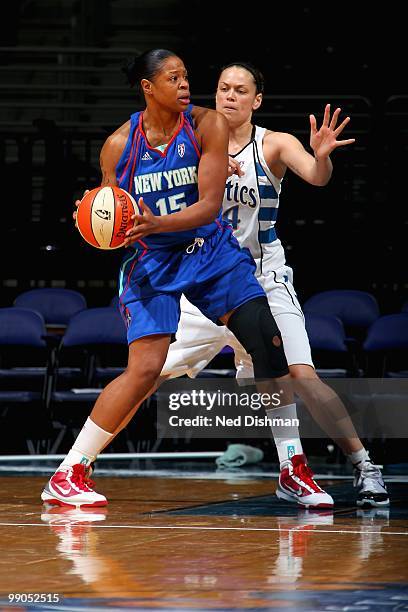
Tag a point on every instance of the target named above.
point(25, 376)
point(357, 310)
point(386, 346)
point(93, 352)
point(330, 352)
point(221, 366)
point(97, 335)
point(56, 305)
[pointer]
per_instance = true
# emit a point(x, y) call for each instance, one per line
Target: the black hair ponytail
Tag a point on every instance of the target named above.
point(145, 66)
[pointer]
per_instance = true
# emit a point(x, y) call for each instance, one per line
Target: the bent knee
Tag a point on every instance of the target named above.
point(255, 327)
point(308, 384)
point(302, 370)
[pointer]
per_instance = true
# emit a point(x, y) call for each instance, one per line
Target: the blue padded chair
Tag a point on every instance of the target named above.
point(386, 346)
point(25, 376)
point(56, 305)
point(95, 326)
point(93, 351)
point(93, 337)
point(330, 352)
point(222, 366)
point(23, 353)
point(356, 309)
point(227, 350)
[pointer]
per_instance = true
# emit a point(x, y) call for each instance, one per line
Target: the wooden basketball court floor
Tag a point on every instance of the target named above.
point(200, 541)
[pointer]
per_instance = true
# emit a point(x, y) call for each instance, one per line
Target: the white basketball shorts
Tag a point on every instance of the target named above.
point(199, 340)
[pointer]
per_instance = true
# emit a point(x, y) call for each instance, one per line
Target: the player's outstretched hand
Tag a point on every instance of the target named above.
point(77, 203)
point(234, 167)
point(324, 140)
point(146, 223)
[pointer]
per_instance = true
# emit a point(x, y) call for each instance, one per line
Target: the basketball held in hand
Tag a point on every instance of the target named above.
point(105, 215)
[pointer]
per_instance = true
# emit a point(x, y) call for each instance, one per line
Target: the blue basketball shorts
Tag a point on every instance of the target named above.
point(214, 273)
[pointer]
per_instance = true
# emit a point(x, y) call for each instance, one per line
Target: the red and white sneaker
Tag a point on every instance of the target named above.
point(296, 484)
point(70, 486)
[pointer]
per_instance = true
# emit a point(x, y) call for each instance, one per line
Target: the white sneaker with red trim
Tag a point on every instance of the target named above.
point(296, 484)
point(70, 486)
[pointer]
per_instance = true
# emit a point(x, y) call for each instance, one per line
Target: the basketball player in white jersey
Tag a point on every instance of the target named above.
point(258, 161)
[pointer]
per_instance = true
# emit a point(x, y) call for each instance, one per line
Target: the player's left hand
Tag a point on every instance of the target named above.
point(145, 224)
point(324, 140)
point(77, 203)
point(234, 167)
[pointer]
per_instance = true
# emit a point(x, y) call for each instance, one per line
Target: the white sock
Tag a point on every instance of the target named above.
point(286, 437)
point(90, 441)
point(359, 457)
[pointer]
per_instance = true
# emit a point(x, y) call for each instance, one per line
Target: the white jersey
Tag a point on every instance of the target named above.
point(251, 205)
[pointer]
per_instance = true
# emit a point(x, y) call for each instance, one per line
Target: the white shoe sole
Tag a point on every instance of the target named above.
point(371, 503)
point(48, 498)
point(298, 500)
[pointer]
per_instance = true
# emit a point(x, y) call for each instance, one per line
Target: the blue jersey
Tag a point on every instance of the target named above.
point(166, 180)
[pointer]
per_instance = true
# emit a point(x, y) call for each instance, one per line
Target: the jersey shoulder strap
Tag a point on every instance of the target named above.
point(190, 129)
point(262, 167)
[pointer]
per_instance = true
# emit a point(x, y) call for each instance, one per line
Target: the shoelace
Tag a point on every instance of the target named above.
point(305, 470)
point(370, 473)
point(303, 473)
point(368, 466)
point(197, 241)
point(88, 474)
point(372, 467)
point(79, 477)
point(369, 469)
point(89, 483)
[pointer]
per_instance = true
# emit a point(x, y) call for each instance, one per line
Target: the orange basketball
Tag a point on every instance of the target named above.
point(104, 217)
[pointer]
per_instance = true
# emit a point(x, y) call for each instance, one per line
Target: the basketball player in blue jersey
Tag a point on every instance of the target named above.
point(258, 161)
point(174, 161)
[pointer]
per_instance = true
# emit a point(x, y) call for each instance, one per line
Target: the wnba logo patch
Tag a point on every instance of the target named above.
point(291, 452)
point(103, 214)
point(181, 149)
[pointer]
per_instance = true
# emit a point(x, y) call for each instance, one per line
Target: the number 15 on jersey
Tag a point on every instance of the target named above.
point(171, 204)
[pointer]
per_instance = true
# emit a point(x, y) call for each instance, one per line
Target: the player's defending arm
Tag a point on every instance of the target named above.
point(315, 170)
point(212, 176)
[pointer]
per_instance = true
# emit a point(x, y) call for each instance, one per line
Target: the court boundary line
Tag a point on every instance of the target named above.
point(209, 528)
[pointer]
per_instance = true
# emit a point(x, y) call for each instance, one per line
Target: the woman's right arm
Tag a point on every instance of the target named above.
point(109, 156)
point(111, 153)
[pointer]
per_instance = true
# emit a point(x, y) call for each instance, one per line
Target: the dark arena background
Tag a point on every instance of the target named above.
point(182, 531)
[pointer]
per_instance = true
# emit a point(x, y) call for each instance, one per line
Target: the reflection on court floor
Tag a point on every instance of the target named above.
point(202, 544)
